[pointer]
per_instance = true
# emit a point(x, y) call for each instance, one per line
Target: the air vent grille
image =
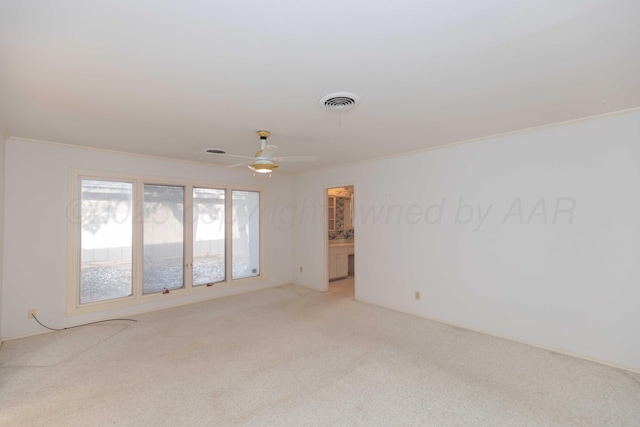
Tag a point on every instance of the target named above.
point(339, 101)
point(216, 151)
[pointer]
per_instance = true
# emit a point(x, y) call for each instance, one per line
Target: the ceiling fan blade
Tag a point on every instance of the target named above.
point(246, 162)
point(269, 151)
point(295, 159)
point(233, 155)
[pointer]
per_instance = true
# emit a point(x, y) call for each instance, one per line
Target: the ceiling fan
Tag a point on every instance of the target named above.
point(265, 160)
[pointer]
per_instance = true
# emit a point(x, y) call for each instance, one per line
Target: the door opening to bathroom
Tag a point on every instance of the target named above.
point(341, 240)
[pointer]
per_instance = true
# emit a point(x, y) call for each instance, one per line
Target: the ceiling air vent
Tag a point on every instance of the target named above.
point(216, 151)
point(339, 101)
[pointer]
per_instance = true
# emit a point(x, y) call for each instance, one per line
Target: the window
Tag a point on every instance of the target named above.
point(209, 263)
point(163, 239)
point(106, 235)
point(246, 234)
point(135, 239)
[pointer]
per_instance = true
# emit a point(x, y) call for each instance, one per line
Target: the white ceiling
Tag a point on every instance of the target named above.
point(171, 78)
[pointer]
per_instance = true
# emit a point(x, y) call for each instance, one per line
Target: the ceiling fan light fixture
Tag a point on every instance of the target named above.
point(263, 166)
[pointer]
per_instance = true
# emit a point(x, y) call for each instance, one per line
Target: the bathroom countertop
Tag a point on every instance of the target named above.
point(335, 245)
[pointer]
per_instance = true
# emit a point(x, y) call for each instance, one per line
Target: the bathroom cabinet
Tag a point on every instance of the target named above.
point(338, 260)
point(331, 213)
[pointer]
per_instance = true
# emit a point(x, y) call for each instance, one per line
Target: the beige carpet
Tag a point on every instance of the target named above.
point(344, 287)
point(291, 356)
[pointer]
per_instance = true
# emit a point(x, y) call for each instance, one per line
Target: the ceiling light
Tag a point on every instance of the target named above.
point(263, 166)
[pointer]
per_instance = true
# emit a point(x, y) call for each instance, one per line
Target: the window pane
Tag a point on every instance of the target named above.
point(208, 236)
point(163, 238)
point(105, 239)
point(245, 256)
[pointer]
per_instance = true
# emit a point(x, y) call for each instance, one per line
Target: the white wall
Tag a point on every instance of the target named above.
point(569, 281)
point(36, 228)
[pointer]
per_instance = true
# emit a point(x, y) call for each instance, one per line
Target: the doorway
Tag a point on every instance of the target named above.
point(340, 238)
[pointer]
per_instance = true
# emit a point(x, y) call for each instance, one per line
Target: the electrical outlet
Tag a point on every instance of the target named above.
point(31, 313)
point(300, 269)
point(417, 296)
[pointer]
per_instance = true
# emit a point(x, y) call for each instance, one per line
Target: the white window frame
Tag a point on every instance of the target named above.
point(137, 297)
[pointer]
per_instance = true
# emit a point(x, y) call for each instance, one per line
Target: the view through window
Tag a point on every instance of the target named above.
point(172, 252)
point(163, 238)
point(106, 235)
point(208, 236)
point(246, 234)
